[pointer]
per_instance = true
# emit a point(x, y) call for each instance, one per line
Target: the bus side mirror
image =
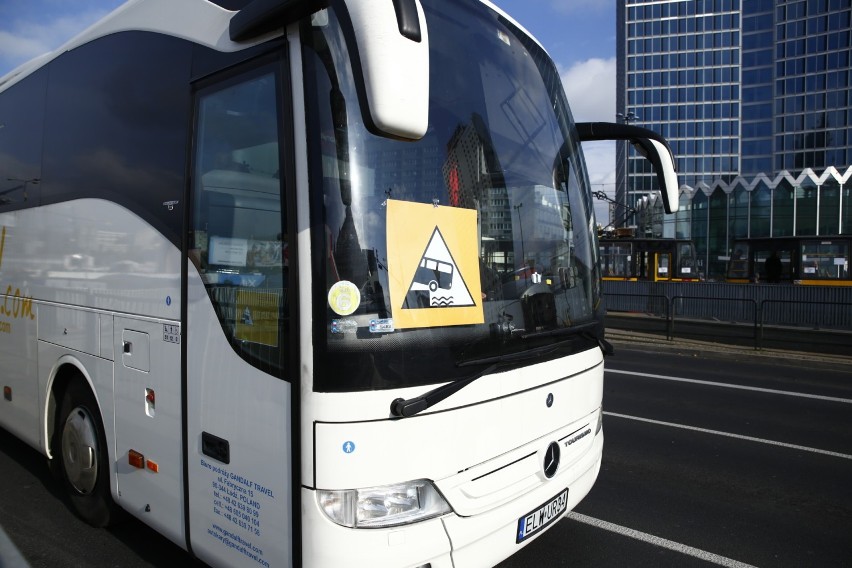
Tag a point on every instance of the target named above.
point(389, 49)
point(648, 143)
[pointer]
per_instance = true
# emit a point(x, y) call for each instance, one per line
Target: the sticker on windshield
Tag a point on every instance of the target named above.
point(344, 298)
point(433, 265)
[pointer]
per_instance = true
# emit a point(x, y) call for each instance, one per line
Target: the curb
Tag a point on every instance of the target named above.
point(658, 342)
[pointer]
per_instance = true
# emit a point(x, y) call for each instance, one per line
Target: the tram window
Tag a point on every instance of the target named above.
point(760, 257)
point(739, 261)
point(686, 261)
point(616, 260)
point(825, 259)
point(663, 266)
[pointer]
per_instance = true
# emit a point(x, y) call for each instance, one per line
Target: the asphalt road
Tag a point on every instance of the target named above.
point(728, 458)
point(38, 520)
point(711, 457)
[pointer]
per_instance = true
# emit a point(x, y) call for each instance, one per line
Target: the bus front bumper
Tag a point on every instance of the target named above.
point(451, 541)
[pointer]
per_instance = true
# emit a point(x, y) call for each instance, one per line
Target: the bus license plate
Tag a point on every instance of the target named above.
point(536, 520)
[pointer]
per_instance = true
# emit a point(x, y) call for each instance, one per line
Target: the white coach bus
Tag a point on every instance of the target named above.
point(213, 314)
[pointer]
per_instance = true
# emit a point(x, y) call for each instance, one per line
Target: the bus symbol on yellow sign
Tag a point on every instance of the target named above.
point(436, 283)
point(433, 265)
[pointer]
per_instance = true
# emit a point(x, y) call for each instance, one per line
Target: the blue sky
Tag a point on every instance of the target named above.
point(578, 34)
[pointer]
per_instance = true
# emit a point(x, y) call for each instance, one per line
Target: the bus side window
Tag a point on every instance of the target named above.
point(22, 123)
point(238, 237)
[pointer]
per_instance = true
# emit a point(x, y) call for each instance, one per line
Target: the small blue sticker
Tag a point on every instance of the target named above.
point(348, 447)
point(381, 325)
point(344, 326)
point(168, 300)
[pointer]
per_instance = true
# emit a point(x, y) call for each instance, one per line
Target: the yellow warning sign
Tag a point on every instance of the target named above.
point(257, 317)
point(433, 265)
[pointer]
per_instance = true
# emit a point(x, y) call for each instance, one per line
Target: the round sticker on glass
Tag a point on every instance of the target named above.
point(344, 298)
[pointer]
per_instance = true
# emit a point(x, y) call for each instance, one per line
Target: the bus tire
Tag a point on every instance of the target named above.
point(79, 446)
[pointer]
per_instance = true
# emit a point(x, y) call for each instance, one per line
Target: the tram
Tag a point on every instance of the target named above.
point(625, 257)
point(803, 260)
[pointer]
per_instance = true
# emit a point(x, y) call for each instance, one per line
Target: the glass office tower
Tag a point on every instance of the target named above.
point(755, 97)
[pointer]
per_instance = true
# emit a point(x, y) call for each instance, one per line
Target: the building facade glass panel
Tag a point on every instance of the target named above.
point(761, 211)
point(806, 208)
point(752, 90)
point(700, 208)
point(782, 211)
point(829, 208)
point(738, 207)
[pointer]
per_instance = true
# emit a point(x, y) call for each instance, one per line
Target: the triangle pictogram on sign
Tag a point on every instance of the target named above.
point(437, 282)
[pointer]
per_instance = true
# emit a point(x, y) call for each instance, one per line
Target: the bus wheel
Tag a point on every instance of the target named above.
point(433, 285)
point(80, 446)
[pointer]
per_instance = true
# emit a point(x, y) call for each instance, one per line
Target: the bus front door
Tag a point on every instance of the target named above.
point(238, 407)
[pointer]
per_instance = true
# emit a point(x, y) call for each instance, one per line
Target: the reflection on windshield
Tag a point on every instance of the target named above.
point(495, 147)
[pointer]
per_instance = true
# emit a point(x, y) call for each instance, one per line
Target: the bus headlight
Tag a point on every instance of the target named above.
point(600, 421)
point(387, 506)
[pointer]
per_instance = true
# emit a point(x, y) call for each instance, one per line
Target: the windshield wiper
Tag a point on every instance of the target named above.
point(533, 353)
point(578, 330)
point(587, 331)
point(403, 408)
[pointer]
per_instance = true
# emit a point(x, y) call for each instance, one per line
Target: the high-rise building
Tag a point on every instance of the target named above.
point(744, 90)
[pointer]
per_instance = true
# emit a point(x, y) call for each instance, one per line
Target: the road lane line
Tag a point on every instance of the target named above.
point(732, 386)
point(655, 540)
point(730, 435)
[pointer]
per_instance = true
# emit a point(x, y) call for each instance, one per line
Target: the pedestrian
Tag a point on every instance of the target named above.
point(773, 268)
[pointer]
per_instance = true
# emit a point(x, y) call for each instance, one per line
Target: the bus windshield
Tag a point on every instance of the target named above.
point(472, 243)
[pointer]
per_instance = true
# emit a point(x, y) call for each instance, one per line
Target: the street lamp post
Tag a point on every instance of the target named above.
point(612, 205)
point(627, 118)
point(521, 229)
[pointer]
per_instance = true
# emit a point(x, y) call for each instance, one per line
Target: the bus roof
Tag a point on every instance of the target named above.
point(204, 22)
point(200, 21)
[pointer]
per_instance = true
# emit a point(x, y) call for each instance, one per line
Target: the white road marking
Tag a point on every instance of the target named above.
point(676, 546)
point(655, 540)
point(732, 386)
point(730, 435)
